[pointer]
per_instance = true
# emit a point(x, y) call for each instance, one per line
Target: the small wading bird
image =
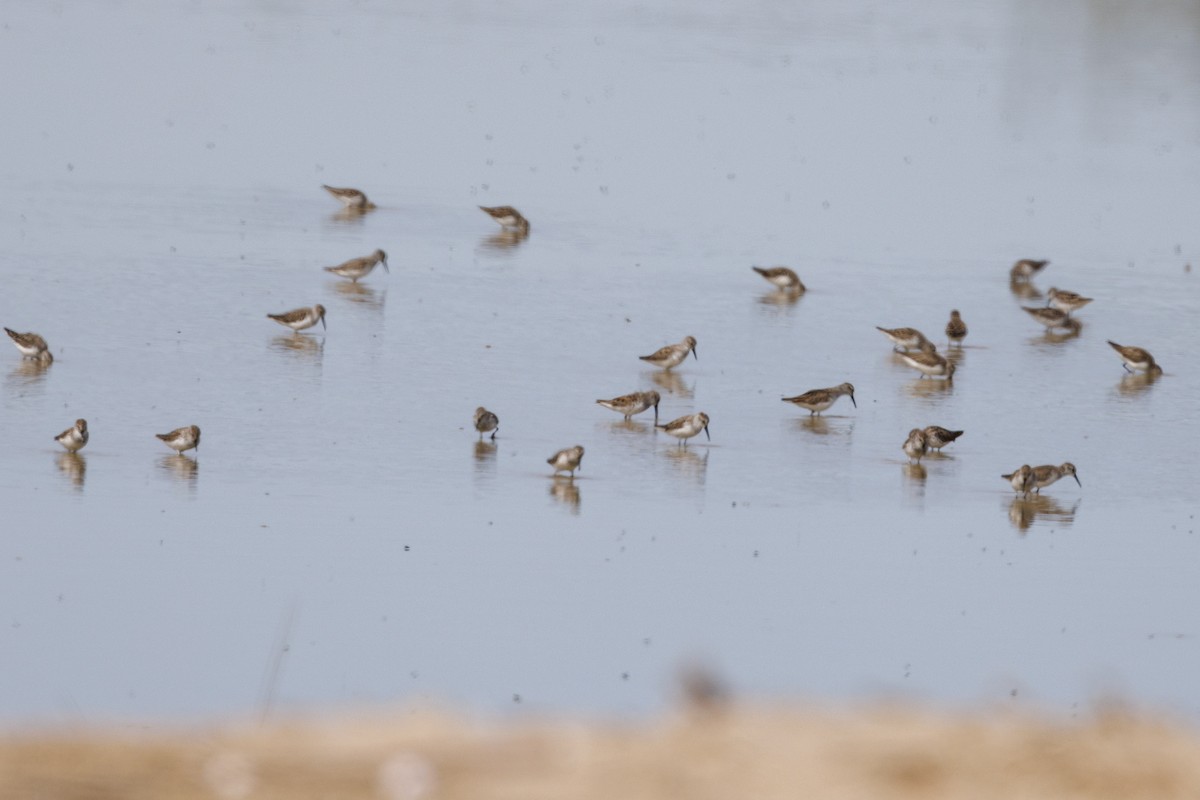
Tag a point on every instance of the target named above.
point(74, 438)
point(1026, 268)
point(567, 460)
point(182, 439)
point(300, 318)
point(1021, 480)
point(1066, 301)
point(672, 355)
point(956, 329)
point(1135, 359)
point(686, 427)
point(781, 277)
point(929, 363)
point(915, 445)
point(937, 437)
point(1047, 474)
point(634, 403)
point(356, 268)
point(507, 216)
point(31, 345)
point(486, 421)
point(817, 400)
point(906, 339)
point(350, 198)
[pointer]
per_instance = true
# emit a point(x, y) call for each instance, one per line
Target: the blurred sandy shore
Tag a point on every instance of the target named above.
point(736, 753)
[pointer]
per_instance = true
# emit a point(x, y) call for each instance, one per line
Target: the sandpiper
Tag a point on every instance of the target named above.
point(937, 437)
point(781, 277)
point(1026, 268)
point(182, 439)
point(915, 445)
point(906, 338)
point(672, 355)
point(300, 318)
point(1135, 359)
point(31, 345)
point(507, 216)
point(1050, 317)
point(1021, 480)
point(74, 438)
point(566, 460)
point(1047, 474)
point(956, 329)
point(929, 363)
point(1067, 301)
point(817, 400)
point(687, 426)
point(486, 421)
point(356, 268)
point(350, 198)
point(635, 403)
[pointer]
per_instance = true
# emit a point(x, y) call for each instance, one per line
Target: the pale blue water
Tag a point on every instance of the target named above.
point(162, 167)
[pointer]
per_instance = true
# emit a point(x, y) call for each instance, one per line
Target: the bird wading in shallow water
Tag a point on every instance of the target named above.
point(508, 217)
point(818, 400)
point(1026, 268)
point(672, 355)
point(356, 268)
point(182, 439)
point(628, 405)
point(686, 427)
point(1021, 480)
point(31, 345)
point(74, 438)
point(1136, 359)
point(1066, 301)
point(1047, 474)
point(782, 278)
point(906, 339)
point(956, 329)
point(486, 421)
point(915, 445)
point(300, 318)
point(567, 460)
point(350, 198)
point(937, 437)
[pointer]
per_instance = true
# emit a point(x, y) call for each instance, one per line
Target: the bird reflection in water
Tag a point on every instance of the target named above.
point(1023, 290)
point(564, 490)
point(361, 294)
point(180, 467)
point(1023, 512)
point(351, 215)
point(630, 426)
point(689, 462)
point(1069, 330)
point(923, 388)
point(29, 371)
point(504, 239)
point(485, 450)
point(484, 459)
point(1136, 383)
point(671, 383)
point(73, 467)
point(780, 299)
point(813, 423)
point(305, 346)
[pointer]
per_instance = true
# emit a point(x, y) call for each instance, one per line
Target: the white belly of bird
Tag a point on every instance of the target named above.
point(72, 440)
point(928, 369)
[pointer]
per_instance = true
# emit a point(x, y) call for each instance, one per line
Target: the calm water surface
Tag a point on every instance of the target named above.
point(342, 538)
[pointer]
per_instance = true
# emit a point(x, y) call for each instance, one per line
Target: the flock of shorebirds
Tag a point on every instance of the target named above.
point(912, 346)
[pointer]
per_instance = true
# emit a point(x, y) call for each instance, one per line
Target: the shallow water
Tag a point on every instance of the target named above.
point(343, 537)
